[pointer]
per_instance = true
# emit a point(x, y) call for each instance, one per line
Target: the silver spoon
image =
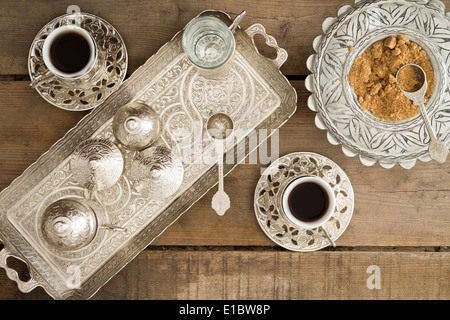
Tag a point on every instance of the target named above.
point(327, 235)
point(37, 81)
point(219, 127)
point(437, 148)
point(236, 21)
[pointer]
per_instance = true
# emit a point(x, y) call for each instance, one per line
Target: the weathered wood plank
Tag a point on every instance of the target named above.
point(395, 207)
point(29, 126)
point(147, 25)
point(193, 275)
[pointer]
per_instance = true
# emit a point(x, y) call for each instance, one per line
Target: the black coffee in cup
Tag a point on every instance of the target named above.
point(308, 201)
point(70, 52)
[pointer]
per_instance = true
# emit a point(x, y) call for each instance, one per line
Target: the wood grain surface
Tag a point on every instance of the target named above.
point(401, 220)
point(147, 25)
point(268, 275)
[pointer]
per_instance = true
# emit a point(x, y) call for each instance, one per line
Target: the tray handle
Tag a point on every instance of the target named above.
point(258, 28)
point(24, 286)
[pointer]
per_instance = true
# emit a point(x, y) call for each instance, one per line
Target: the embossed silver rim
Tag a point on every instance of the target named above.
point(358, 133)
point(268, 201)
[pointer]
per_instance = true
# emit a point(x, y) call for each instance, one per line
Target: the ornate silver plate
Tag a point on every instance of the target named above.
point(268, 201)
point(255, 95)
point(338, 112)
point(93, 88)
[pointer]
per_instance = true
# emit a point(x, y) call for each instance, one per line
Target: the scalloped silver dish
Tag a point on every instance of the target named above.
point(92, 89)
point(268, 201)
point(359, 132)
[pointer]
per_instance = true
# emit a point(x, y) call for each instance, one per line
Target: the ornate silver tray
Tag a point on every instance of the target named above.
point(256, 95)
point(338, 111)
point(268, 201)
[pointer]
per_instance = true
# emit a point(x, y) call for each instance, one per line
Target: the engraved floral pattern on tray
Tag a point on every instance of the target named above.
point(169, 83)
point(93, 88)
point(268, 201)
point(338, 111)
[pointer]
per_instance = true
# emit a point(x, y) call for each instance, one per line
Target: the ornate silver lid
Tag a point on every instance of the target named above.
point(136, 125)
point(69, 224)
point(97, 164)
point(157, 172)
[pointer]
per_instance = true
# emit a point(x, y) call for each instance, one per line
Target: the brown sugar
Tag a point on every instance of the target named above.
point(373, 77)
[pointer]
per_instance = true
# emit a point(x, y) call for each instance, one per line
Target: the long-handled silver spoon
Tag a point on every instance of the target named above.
point(219, 127)
point(437, 148)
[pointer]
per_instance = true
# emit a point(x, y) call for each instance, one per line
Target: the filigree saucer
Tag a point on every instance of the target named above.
point(268, 201)
point(93, 88)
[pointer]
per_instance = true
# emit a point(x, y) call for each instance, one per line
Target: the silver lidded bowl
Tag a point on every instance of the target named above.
point(136, 126)
point(156, 172)
point(338, 112)
point(69, 224)
point(97, 164)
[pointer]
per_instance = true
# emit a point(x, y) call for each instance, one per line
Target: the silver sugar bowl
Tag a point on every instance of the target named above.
point(71, 224)
point(156, 172)
point(97, 164)
point(136, 125)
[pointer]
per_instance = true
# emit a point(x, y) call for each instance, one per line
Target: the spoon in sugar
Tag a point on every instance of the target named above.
point(415, 91)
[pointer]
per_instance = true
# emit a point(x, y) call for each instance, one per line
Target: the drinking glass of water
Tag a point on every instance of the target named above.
point(208, 43)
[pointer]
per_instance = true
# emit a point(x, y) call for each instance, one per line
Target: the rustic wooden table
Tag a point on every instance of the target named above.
point(401, 220)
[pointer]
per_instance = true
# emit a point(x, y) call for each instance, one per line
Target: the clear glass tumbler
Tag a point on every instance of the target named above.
point(208, 42)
